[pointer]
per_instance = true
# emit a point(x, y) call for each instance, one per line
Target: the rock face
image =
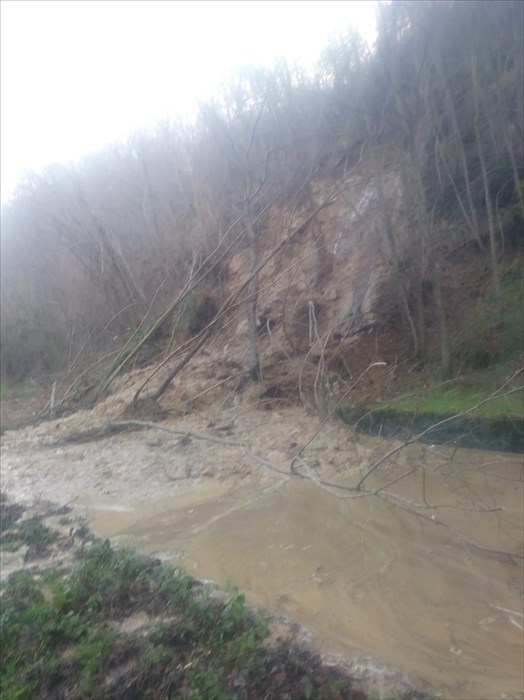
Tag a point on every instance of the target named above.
point(335, 275)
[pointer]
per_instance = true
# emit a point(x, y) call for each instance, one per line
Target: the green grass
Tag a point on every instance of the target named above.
point(462, 394)
point(29, 532)
point(492, 331)
point(486, 350)
point(60, 638)
point(10, 390)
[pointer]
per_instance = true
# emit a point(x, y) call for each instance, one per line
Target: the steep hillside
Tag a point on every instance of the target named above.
point(305, 227)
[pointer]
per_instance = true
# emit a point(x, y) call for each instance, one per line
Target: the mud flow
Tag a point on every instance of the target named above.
point(437, 593)
point(361, 576)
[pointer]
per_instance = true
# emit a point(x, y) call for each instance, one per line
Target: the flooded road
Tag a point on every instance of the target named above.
point(364, 577)
point(432, 584)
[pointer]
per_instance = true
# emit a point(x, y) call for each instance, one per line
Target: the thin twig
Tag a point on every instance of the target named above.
point(510, 612)
point(330, 414)
point(354, 491)
point(208, 438)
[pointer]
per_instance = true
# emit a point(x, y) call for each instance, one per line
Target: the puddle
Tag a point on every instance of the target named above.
point(364, 577)
point(426, 593)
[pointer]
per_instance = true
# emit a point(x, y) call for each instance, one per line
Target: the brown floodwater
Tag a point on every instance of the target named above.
point(430, 595)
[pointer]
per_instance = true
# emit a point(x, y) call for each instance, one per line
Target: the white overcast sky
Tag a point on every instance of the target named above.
point(79, 74)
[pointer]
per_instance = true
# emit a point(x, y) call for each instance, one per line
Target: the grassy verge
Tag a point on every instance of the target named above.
point(74, 633)
point(458, 412)
point(463, 394)
point(486, 348)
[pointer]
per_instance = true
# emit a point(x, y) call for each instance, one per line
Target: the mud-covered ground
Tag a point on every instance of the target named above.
point(85, 453)
point(51, 469)
point(368, 579)
point(68, 598)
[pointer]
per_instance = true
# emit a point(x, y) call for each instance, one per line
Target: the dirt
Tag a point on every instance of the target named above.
point(369, 580)
point(20, 412)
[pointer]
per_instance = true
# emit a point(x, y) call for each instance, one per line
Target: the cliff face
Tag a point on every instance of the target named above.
point(330, 304)
point(327, 303)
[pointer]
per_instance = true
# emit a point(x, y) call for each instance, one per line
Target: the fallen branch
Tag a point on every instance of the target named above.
point(410, 507)
point(203, 337)
point(209, 438)
point(355, 491)
point(510, 612)
point(495, 395)
point(330, 414)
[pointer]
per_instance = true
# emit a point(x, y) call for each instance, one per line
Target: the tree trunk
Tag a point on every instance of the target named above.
point(118, 264)
point(485, 181)
point(254, 368)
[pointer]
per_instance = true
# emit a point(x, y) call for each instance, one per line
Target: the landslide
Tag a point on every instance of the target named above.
point(306, 227)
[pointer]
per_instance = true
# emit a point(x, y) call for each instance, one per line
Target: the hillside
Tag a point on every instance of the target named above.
point(370, 212)
point(186, 314)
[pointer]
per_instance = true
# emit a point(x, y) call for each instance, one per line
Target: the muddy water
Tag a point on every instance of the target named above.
point(365, 577)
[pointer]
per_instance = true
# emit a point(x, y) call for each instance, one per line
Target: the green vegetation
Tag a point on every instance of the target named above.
point(472, 418)
point(61, 637)
point(452, 400)
point(486, 346)
point(492, 330)
point(29, 532)
point(11, 390)
point(463, 394)
point(437, 190)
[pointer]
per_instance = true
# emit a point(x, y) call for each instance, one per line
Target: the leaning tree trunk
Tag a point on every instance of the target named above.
point(252, 301)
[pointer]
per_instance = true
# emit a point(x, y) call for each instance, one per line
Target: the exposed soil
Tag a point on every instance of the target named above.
point(369, 580)
point(19, 412)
